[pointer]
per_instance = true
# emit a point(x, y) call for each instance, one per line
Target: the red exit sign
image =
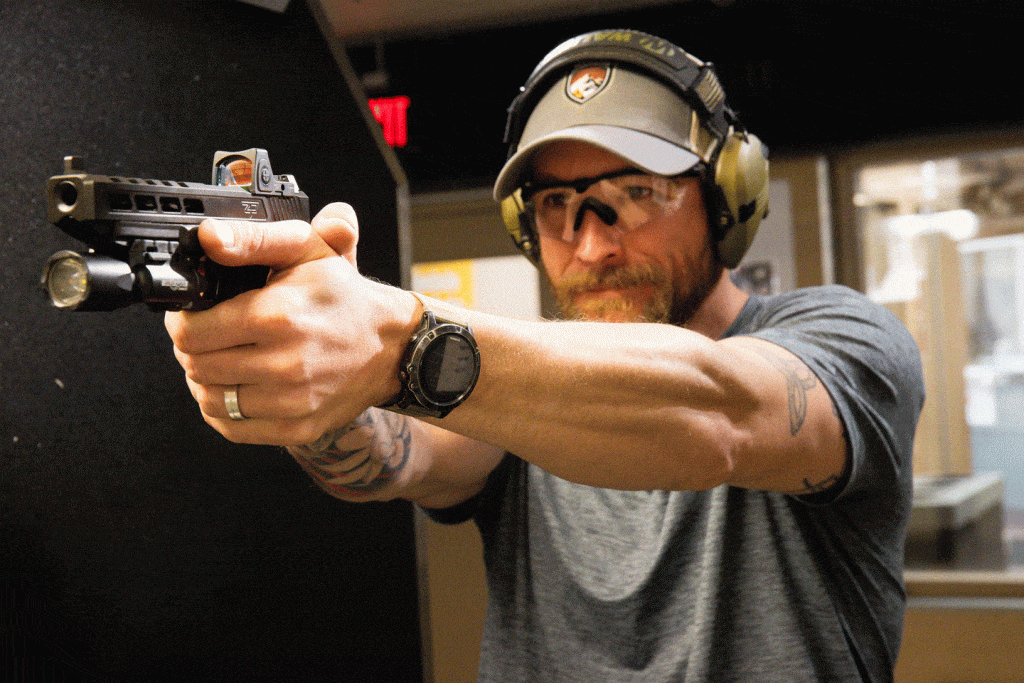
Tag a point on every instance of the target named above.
point(390, 111)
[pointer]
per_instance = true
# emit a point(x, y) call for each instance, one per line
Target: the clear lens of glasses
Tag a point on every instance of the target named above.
point(636, 198)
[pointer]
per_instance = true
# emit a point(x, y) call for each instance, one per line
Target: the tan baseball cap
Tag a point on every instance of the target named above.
point(619, 110)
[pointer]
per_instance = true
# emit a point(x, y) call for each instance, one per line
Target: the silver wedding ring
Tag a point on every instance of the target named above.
point(231, 403)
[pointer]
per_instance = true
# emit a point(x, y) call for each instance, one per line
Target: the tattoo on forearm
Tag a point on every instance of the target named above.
point(361, 458)
point(799, 380)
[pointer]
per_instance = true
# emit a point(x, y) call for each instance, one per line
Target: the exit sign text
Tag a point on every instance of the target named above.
point(390, 111)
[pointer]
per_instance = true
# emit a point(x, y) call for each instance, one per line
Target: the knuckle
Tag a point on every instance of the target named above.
point(308, 403)
point(220, 426)
point(210, 402)
point(172, 323)
point(342, 211)
point(176, 330)
point(275, 315)
point(298, 401)
point(183, 339)
point(194, 370)
point(249, 237)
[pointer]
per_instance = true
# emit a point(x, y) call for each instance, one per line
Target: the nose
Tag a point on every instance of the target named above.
point(597, 240)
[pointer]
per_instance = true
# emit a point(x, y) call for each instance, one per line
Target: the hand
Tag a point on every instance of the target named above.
point(310, 350)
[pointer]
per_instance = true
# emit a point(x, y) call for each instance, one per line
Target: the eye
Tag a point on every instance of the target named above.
point(639, 192)
point(555, 199)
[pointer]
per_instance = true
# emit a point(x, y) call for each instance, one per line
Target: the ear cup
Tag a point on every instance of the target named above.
point(741, 178)
point(513, 214)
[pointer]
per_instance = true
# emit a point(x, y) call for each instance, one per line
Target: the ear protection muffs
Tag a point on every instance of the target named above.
point(517, 223)
point(736, 177)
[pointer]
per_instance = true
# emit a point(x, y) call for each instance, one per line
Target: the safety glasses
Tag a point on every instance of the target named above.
point(624, 200)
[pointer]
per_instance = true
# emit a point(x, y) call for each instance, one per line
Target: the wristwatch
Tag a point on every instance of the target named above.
point(439, 368)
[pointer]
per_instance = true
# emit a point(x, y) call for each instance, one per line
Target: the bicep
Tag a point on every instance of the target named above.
point(793, 438)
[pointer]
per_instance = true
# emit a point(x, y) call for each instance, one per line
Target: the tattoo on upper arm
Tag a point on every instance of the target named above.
point(821, 486)
point(360, 458)
point(799, 380)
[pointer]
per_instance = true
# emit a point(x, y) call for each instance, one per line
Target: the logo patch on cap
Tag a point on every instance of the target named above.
point(587, 81)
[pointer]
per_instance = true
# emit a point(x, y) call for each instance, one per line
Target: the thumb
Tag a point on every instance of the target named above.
point(338, 225)
point(279, 245)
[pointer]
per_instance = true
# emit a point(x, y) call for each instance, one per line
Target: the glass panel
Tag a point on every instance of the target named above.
point(943, 245)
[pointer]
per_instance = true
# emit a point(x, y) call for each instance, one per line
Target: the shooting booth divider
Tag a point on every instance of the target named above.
point(135, 542)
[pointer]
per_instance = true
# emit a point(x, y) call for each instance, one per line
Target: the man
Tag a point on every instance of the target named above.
point(705, 485)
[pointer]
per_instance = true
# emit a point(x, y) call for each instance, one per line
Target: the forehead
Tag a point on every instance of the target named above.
point(570, 159)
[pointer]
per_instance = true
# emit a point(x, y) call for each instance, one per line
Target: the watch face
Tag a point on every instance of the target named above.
point(448, 368)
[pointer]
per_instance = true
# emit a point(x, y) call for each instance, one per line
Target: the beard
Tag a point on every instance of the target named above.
point(667, 303)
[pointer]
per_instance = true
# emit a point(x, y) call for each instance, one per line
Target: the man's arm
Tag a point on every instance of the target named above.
point(629, 406)
point(650, 406)
point(382, 455)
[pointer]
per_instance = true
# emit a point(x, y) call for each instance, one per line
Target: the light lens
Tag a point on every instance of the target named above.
point(67, 281)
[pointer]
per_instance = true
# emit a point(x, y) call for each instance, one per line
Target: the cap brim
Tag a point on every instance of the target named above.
point(647, 152)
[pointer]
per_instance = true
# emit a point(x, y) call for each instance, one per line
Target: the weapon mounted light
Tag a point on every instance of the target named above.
point(88, 283)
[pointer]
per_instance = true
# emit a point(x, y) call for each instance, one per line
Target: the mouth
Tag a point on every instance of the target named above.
point(602, 293)
point(621, 294)
point(615, 282)
point(615, 304)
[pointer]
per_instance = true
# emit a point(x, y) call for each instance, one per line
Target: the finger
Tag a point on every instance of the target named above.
point(260, 425)
point(225, 366)
point(268, 432)
point(338, 226)
point(279, 245)
point(221, 328)
point(253, 401)
point(278, 373)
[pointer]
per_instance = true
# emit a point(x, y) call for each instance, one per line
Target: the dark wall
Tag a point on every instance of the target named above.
point(135, 542)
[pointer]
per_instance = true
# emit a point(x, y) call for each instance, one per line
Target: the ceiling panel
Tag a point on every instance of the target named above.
point(363, 21)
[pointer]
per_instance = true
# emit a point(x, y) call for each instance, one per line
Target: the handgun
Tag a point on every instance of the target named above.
point(142, 235)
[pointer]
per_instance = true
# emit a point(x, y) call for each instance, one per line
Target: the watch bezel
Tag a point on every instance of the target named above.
point(412, 399)
point(414, 366)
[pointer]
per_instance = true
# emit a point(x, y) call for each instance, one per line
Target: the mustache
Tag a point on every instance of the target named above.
point(621, 277)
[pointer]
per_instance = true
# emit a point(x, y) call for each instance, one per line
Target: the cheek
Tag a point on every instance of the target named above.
point(671, 244)
point(555, 257)
point(650, 248)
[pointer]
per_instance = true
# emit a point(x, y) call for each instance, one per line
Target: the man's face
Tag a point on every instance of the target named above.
point(659, 272)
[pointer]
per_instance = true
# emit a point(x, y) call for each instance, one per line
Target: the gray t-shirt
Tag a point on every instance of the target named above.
point(729, 584)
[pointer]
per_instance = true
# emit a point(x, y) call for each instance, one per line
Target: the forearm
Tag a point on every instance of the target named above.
point(613, 405)
point(383, 455)
point(365, 460)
